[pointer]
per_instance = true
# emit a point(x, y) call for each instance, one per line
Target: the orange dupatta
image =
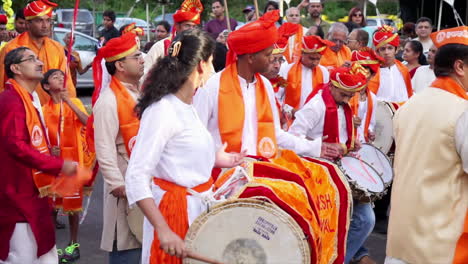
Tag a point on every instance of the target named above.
point(331, 59)
point(450, 85)
point(374, 83)
point(39, 139)
point(128, 121)
point(293, 91)
point(231, 114)
point(354, 103)
point(297, 48)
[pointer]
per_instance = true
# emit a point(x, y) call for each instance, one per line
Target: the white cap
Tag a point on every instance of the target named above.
point(315, 2)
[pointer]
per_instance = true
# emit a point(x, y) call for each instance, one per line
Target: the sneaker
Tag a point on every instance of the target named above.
point(72, 253)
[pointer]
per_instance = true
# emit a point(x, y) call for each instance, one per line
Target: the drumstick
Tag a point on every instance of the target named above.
point(196, 256)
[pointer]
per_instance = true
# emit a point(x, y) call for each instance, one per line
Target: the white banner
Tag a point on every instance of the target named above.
point(374, 2)
point(450, 2)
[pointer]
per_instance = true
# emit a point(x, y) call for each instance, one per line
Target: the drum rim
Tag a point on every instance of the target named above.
point(389, 106)
point(197, 224)
point(370, 166)
point(389, 161)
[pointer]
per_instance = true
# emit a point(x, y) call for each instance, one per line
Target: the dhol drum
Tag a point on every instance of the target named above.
point(248, 231)
point(377, 160)
point(365, 181)
point(383, 126)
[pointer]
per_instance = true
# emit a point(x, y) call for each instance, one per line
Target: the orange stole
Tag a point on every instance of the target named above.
point(231, 114)
point(297, 48)
point(173, 207)
point(331, 59)
point(37, 136)
point(450, 85)
point(128, 121)
point(461, 250)
point(52, 54)
point(354, 103)
point(293, 91)
point(374, 83)
point(326, 196)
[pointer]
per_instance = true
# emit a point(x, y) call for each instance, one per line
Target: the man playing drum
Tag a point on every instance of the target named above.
point(428, 218)
point(255, 127)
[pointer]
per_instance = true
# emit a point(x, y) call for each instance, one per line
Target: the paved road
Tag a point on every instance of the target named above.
point(90, 230)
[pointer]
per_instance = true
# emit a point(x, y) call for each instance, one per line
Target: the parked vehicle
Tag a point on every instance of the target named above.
point(86, 46)
point(84, 20)
point(168, 17)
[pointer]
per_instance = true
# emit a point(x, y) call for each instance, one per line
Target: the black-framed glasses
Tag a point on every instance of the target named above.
point(30, 58)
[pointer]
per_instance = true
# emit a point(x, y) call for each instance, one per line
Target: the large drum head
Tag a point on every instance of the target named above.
point(362, 176)
point(377, 160)
point(383, 127)
point(248, 231)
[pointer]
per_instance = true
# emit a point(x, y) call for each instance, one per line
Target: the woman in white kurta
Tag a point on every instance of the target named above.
point(173, 150)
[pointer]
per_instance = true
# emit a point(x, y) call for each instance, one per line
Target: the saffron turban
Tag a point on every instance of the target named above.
point(284, 32)
point(384, 35)
point(132, 28)
point(348, 79)
point(456, 35)
point(190, 10)
point(315, 44)
point(367, 57)
point(39, 8)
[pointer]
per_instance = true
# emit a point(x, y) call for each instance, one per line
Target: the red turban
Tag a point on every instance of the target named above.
point(348, 79)
point(39, 8)
point(190, 10)
point(384, 35)
point(315, 44)
point(3, 19)
point(133, 29)
point(284, 32)
point(457, 35)
point(367, 57)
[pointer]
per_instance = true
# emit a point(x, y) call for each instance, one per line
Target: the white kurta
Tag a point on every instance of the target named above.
point(156, 52)
point(311, 118)
point(362, 113)
point(423, 77)
point(392, 85)
point(206, 103)
point(306, 82)
point(173, 145)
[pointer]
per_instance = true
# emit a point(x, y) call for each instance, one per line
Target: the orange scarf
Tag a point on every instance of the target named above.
point(173, 207)
point(450, 85)
point(374, 83)
point(51, 53)
point(331, 59)
point(39, 139)
point(354, 103)
point(293, 91)
point(297, 48)
point(231, 114)
point(128, 121)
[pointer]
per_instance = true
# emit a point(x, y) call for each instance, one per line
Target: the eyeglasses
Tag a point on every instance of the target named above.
point(337, 41)
point(30, 59)
point(357, 15)
point(278, 60)
point(135, 57)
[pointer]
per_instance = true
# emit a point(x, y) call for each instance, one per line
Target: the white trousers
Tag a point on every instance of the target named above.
point(23, 248)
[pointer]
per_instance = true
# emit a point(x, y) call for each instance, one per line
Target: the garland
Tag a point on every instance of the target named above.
point(9, 12)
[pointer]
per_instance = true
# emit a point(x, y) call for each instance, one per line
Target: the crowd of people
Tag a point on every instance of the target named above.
point(165, 115)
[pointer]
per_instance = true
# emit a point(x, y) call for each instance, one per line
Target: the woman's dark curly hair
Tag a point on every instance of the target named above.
point(170, 72)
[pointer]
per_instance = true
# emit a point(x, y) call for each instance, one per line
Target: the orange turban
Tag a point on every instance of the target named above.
point(457, 35)
point(132, 28)
point(348, 79)
point(315, 44)
point(190, 10)
point(39, 8)
point(384, 35)
point(284, 32)
point(3, 19)
point(367, 57)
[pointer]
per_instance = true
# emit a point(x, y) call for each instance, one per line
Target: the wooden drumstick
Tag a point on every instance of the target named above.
point(196, 256)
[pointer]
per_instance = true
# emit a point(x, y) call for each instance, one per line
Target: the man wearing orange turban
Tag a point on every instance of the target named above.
point(430, 187)
point(392, 83)
point(238, 104)
point(38, 15)
point(185, 18)
point(327, 116)
point(115, 129)
point(306, 75)
point(337, 55)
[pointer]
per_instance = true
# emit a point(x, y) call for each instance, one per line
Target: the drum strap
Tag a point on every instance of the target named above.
point(173, 207)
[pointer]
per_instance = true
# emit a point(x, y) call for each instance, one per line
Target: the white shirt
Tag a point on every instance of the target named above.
point(306, 82)
point(427, 44)
point(362, 113)
point(392, 85)
point(156, 52)
point(423, 77)
point(206, 103)
point(310, 120)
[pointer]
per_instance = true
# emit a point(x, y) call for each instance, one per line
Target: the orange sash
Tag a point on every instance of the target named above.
point(354, 103)
point(450, 85)
point(128, 121)
point(39, 139)
point(52, 54)
point(231, 114)
point(331, 59)
point(297, 48)
point(293, 91)
point(173, 207)
point(461, 250)
point(374, 83)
